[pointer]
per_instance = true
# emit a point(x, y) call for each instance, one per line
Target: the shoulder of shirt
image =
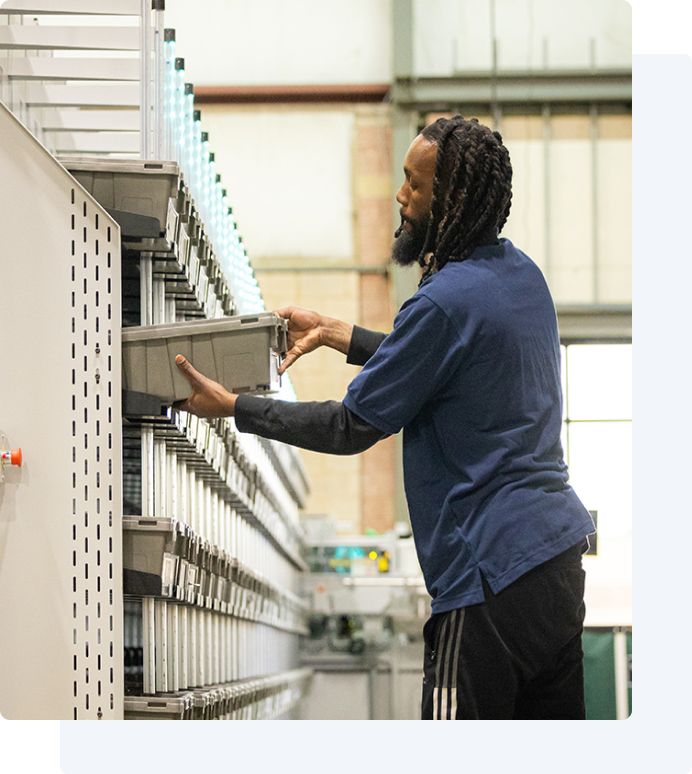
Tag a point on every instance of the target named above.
point(475, 269)
point(473, 282)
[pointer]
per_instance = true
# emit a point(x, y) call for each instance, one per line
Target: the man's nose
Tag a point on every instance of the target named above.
point(400, 196)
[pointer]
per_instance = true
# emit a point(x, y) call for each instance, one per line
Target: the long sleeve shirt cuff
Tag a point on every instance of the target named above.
point(364, 344)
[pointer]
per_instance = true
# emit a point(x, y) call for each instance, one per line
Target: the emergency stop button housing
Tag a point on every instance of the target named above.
point(8, 456)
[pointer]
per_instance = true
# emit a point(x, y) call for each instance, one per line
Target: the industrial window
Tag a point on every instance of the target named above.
point(597, 431)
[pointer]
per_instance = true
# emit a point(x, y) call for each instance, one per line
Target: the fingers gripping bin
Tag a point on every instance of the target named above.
point(241, 353)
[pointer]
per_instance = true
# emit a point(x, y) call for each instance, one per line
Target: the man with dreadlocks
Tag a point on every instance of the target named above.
point(471, 373)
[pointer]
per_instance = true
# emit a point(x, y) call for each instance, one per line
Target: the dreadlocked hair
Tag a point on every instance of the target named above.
point(472, 190)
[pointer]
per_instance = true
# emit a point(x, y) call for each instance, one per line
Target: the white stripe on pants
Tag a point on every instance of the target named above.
point(445, 690)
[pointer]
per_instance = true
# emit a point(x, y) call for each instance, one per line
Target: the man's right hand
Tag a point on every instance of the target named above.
point(308, 330)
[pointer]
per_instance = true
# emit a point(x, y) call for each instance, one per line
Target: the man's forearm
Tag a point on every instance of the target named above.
point(322, 426)
point(357, 343)
point(336, 334)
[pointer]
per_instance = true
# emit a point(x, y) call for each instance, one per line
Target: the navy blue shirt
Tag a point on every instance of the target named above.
point(471, 372)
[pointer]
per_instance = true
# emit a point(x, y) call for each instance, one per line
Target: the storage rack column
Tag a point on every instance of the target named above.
point(212, 547)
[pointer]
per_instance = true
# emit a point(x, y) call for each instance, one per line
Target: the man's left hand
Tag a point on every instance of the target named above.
point(208, 399)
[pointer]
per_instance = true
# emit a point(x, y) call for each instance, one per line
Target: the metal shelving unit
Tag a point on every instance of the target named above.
point(199, 520)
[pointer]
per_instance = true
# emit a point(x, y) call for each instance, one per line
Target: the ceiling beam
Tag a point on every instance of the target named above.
point(291, 94)
point(594, 324)
point(512, 88)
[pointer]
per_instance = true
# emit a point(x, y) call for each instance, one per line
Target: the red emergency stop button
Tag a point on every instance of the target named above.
point(14, 457)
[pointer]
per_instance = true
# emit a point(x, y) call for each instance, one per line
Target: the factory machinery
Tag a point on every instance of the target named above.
point(149, 560)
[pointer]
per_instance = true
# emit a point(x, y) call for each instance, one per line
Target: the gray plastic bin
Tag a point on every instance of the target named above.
point(170, 706)
point(139, 186)
point(242, 353)
point(152, 551)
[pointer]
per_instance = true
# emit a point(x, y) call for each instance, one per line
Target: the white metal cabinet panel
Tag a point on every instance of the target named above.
point(91, 121)
point(72, 38)
point(90, 7)
point(47, 68)
point(107, 95)
point(94, 142)
point(60, 514)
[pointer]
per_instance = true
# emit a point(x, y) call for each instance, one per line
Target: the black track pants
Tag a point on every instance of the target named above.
point(518, 655)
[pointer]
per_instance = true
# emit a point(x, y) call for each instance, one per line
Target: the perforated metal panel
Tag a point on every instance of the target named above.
point(60, 400)
point(95, 456)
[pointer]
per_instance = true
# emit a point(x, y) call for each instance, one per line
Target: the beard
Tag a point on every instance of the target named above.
point(407, 245)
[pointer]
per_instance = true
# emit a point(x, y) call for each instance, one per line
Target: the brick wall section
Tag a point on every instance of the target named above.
point(358, 490)
point(323, 375)
point(373, 222)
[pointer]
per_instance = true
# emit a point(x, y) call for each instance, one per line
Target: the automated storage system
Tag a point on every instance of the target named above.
point(149, 561)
